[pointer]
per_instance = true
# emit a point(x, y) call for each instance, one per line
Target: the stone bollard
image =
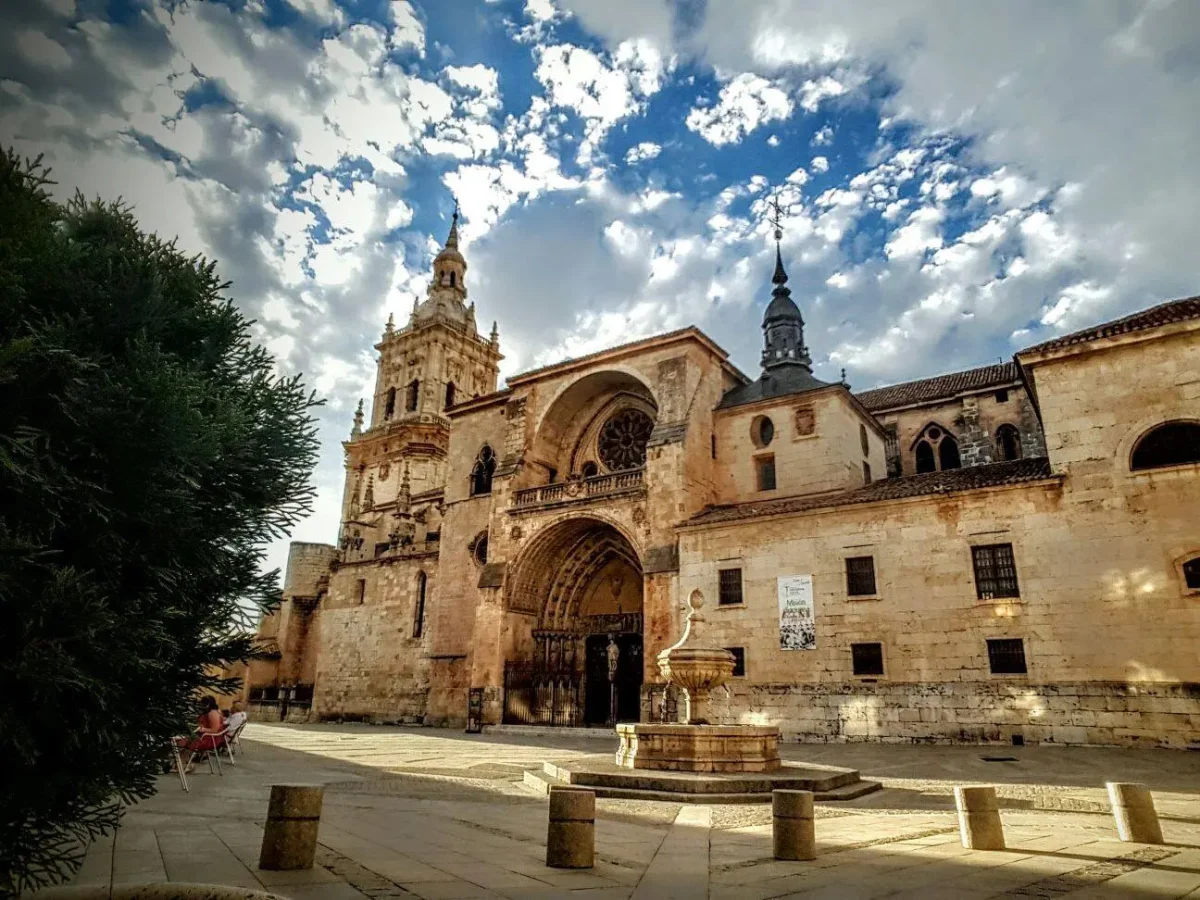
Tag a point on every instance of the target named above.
point(792, 827)
point(571, 833)
point(979, 818)
point(1133, 808)
point(290, 838)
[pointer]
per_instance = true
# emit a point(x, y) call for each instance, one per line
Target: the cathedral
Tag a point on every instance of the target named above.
point(1005, 554)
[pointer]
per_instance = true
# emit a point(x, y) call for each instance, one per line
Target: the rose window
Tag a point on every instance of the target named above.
point(623, 440)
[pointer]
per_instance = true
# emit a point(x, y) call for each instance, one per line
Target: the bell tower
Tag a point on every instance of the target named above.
point(438, 359)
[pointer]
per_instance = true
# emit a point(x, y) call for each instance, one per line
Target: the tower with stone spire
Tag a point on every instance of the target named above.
point(436, 360)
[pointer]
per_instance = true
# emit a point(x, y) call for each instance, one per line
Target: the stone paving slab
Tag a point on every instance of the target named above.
point(425, 813)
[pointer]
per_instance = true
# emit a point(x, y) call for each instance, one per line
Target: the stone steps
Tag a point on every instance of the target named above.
point(715, 789)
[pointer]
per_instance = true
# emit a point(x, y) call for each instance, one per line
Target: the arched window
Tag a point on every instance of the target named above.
point(414, 392)
point(389, 408)
point(590, 470)
point(419, 611)
point(452, 276)
point(481, 474)
point(449, 394)
point(948, 454)
point(1169, 444)
point(936, 450)
point(925, 461)
point(479, 548)
point(1008, 442)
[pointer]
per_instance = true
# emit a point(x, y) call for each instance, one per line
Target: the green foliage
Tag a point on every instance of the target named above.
point(148, 454)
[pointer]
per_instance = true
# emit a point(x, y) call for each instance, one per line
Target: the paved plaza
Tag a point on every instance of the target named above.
point(412, 812)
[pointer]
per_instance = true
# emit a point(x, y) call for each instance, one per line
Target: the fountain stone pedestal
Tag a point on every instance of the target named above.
point(697, 746)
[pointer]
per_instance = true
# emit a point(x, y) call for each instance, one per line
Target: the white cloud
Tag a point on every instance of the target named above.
point(820, 164)
point(823, 137)
point(600, 89)
point(643, 151)
point(745, 102)
point(919, 234)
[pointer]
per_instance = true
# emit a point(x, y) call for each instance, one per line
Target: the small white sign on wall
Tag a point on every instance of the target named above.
point(797, 622)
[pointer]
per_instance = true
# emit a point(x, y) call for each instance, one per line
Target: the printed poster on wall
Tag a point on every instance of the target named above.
point(797, 624)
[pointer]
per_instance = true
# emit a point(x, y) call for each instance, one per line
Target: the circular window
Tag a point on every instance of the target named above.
point(934, 433)
point(862, 436)
point(623, 440)
point(762, 431)
point(479, 549)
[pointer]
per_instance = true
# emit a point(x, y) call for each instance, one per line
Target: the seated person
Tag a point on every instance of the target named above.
point(236, 718)
point(208, 725)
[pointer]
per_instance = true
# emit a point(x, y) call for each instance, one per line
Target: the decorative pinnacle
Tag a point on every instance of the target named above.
point(391, 324)
point(843, 375)
point(495, 332)
point(358, 420)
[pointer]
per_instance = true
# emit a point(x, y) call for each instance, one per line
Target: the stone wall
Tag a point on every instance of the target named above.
point(371, 665)
point(974, 420)
point(1150, 715)
point(817, 446)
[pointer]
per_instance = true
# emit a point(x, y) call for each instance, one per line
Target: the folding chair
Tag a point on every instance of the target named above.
point(235, 737)
point(179, 767)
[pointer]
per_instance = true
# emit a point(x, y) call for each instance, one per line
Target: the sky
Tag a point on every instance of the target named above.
point(958, 180)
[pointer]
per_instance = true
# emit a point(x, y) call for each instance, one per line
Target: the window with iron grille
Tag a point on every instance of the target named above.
point(860, 576)
point(739, 661)
point(730, 584)
point(867, 658)
point(995, 571)
point(1006, 656)
point(765, 467)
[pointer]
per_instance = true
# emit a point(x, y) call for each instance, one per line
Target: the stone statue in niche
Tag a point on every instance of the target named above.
point(384, 470)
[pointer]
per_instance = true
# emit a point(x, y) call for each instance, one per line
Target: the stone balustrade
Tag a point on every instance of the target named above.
point(579, 489)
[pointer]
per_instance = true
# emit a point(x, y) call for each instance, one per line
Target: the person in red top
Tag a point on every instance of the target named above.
point(208, 724)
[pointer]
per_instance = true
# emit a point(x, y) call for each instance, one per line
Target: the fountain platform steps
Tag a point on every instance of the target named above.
point(610, 781)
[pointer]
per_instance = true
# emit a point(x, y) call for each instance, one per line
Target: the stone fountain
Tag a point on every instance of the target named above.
point(697, 669)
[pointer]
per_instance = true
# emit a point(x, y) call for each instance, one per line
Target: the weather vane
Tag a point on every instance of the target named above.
point(455, 199)
point(776, 218)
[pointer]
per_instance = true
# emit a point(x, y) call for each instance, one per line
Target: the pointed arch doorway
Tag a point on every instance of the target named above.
point(579, 584)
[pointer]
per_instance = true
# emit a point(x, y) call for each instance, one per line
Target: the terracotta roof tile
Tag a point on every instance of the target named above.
point(929, 484)
point(940, 387)
point(1163, 314)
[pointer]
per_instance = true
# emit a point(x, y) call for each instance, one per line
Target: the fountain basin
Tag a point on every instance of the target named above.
point(698, 748)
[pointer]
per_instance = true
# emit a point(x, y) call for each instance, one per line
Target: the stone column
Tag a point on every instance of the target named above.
point(571, 833)
point(1133, 808)
point(792, 826)
point(293, 816)
point(979, 818)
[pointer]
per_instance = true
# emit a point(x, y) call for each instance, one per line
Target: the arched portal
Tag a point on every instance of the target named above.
point(579, 586)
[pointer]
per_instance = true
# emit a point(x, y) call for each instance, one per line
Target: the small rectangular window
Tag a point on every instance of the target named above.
point(866, 473)
point(730, 587)
point(1006, 656)
point(1191, 573)
point(860, 576)
point(867, 658)
point(765, 468)
point(360, 590)
point(1002, 395)
point(739, 661)
point(995, 571)
point(714, 446)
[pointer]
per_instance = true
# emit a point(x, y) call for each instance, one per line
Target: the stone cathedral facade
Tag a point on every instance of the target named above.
point(1010, 553)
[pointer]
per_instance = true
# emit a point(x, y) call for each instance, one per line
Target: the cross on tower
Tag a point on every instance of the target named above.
point(776, 217)
point(455, 199)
